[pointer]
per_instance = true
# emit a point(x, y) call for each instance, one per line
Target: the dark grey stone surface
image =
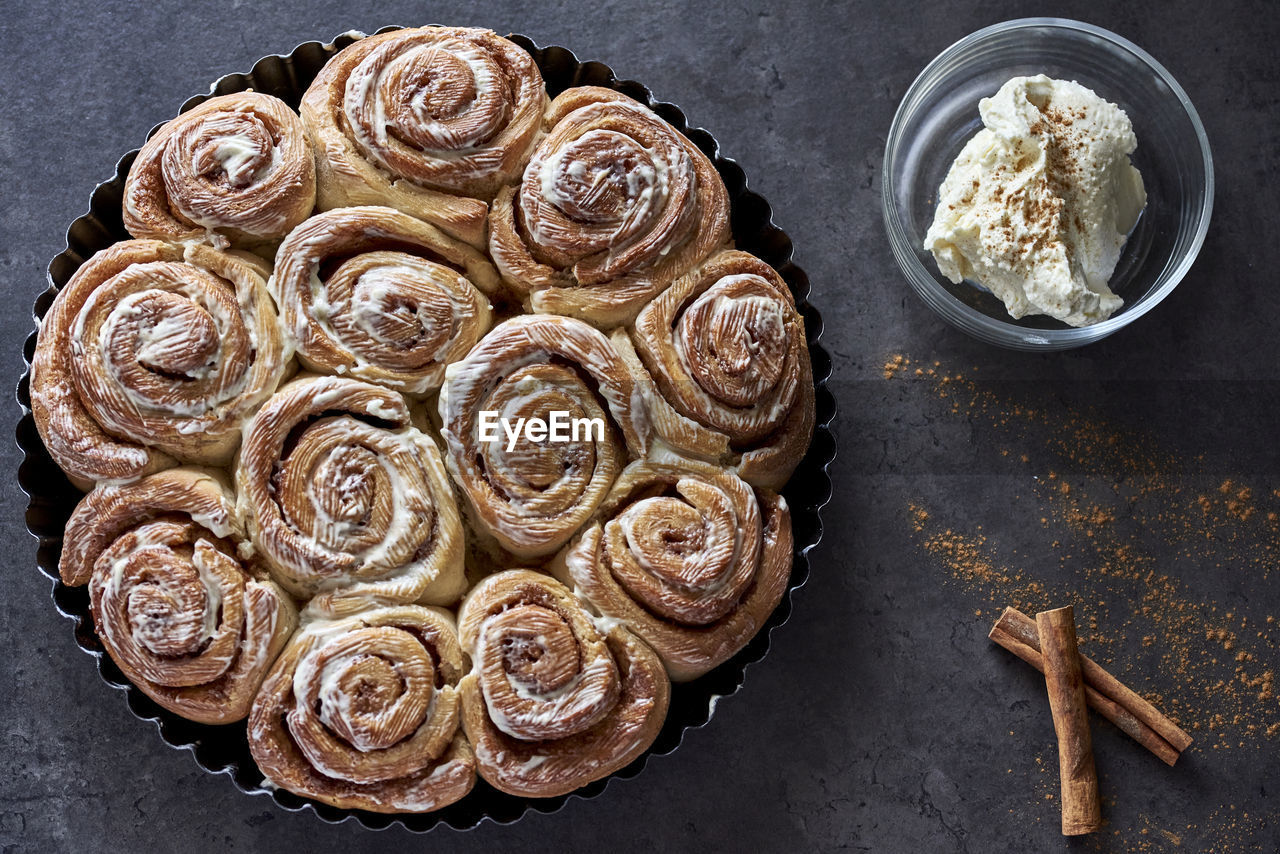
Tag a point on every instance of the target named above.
point(882, 720)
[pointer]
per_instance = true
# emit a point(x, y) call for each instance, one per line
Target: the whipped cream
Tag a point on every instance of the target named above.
point(1038, 205)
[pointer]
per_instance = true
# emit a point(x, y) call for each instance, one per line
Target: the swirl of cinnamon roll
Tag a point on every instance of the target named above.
point(552, 701)
point(726, 373)
point(376, 294)
point(688, 557)
point(432, 121)
point(362, 711)
point(345, 498)
point(182, 615)
point(235, 169)
point(531, 496)
point(614, 205)
point(151, 352)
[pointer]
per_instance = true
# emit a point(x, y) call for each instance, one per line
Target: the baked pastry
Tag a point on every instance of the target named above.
point(363, 711)
point(688, 557)
point(154, 352)
point(614, 205)
point(431, 121)
point(345, 498)
point(552, 701)
point(183, 616)
point(532, 496)
point(234, 170)
point(378, 295)
point(724, 368)
point(609, 434)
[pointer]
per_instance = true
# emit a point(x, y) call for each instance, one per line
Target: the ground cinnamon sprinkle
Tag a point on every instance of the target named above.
point(892, 365)
point(970, 563)
point(1125, 501)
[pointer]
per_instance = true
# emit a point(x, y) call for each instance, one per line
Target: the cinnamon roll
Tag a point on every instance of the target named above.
point(553, 701)
point(614, 205)
point(432, 121)
point(688, 557)
point(345, 498)
point(152, 352)
point(531, 496)
point(375, 294)
point(236, 169)
point(724, 368)
point(179, 611)
point(363, 711)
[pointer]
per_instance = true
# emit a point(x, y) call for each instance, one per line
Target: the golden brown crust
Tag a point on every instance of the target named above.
point(235, 169)
point(345, 499)
point(532, 498)
point(375, 294)
point(688, 557)
point(726, 370)
point(362, 712)
point(553, 702)
point(614, 205)
point(153, 352)
point(178, 610)
point(432, 121)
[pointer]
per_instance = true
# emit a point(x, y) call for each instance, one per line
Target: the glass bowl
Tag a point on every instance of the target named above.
point(939, 114)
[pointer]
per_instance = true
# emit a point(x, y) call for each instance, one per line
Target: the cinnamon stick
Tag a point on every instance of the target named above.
point(1081, 809)
point(1137, 718)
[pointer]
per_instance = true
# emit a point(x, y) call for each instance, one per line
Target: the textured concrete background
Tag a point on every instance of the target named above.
point(883, 720)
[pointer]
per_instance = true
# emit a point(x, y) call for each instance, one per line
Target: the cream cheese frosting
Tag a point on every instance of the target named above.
point(1039, 203)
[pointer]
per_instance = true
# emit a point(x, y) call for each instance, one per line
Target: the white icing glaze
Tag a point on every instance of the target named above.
point(235, 153)
point(579, 695)
point(363, 95)
point(767, 312)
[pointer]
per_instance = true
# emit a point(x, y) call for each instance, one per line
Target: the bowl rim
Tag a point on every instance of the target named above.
point(995, 330)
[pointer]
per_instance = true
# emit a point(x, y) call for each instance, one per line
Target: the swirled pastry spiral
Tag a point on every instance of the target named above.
point(431, 121)
point(378, 295)
point(552, 701)
point(688, 557)
point(154, 351)
point(235, 169)
point(726, 374)
point(186, 619)
point(614, 205)
point(345, 498)
point(363, 711)
point(533, 497)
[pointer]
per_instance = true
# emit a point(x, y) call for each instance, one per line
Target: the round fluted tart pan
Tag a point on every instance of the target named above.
point(225, 749)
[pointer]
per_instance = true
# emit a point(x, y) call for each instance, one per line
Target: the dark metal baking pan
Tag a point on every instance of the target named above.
point(224, 749)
